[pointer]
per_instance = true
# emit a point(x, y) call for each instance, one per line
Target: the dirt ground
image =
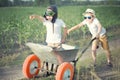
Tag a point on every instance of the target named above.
point(15, 72)
point(11, 73)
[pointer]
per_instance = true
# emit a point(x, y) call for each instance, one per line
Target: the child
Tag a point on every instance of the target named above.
point(97, 31)
point(53, 26)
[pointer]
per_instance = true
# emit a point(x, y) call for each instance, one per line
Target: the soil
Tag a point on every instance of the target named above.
point(15, 72)
point(11, 73)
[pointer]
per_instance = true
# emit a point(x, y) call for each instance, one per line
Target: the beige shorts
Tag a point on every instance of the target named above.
point(103, 41)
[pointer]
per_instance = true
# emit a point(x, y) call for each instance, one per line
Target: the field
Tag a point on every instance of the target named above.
point(16, 29)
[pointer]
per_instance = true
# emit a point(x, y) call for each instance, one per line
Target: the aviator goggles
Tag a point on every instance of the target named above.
point(50, 13)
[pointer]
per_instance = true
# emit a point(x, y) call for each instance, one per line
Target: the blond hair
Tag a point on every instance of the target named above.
point(89, 11)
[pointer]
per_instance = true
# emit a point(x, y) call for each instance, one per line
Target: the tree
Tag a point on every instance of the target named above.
point(17, 2)
point(4, 3)
point(41, 2)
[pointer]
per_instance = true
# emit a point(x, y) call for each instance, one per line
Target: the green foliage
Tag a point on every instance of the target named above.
point(17, 28)
point(5, 61)
point(4, 3)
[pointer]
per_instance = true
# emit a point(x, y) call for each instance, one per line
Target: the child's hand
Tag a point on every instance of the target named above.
point(63, 41)
point(31, 17)
point(97, 35)
point(68, 31)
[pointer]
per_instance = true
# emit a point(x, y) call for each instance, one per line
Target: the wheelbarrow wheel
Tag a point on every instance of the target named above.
point(65, 71)
point(31, 66)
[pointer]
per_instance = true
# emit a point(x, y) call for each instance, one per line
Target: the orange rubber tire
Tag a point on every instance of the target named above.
point(31, 66)
point(65, 71)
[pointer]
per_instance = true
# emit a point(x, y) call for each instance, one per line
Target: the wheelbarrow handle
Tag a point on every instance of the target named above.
point(77, 58)
point(88, 45)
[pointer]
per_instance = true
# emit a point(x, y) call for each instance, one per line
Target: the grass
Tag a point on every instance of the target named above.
point(14, 59)
point(17, 29)
point(84, 71)
point(5, 61)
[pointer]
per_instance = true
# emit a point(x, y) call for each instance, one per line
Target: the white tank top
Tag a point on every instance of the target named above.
point(93, 28)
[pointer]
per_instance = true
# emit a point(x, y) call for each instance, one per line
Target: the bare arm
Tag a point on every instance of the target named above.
point(99, 29)
point(64, 35)
point(75, 27)
point(37, 17)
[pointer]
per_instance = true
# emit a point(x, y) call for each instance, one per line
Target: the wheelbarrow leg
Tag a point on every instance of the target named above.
point(47, 68)
point(56, 68)
point(52, 67)
point(75, 70)
point(42, 68)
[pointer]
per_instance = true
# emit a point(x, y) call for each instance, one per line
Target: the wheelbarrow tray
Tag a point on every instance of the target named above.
point(67, 53)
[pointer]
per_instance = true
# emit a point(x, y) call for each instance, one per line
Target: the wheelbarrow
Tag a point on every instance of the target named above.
point(65, 58)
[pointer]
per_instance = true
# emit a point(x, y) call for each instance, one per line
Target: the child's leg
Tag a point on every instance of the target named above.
point(94, 47)
point(104, 43)
point(108, 55)
point(59, 58)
